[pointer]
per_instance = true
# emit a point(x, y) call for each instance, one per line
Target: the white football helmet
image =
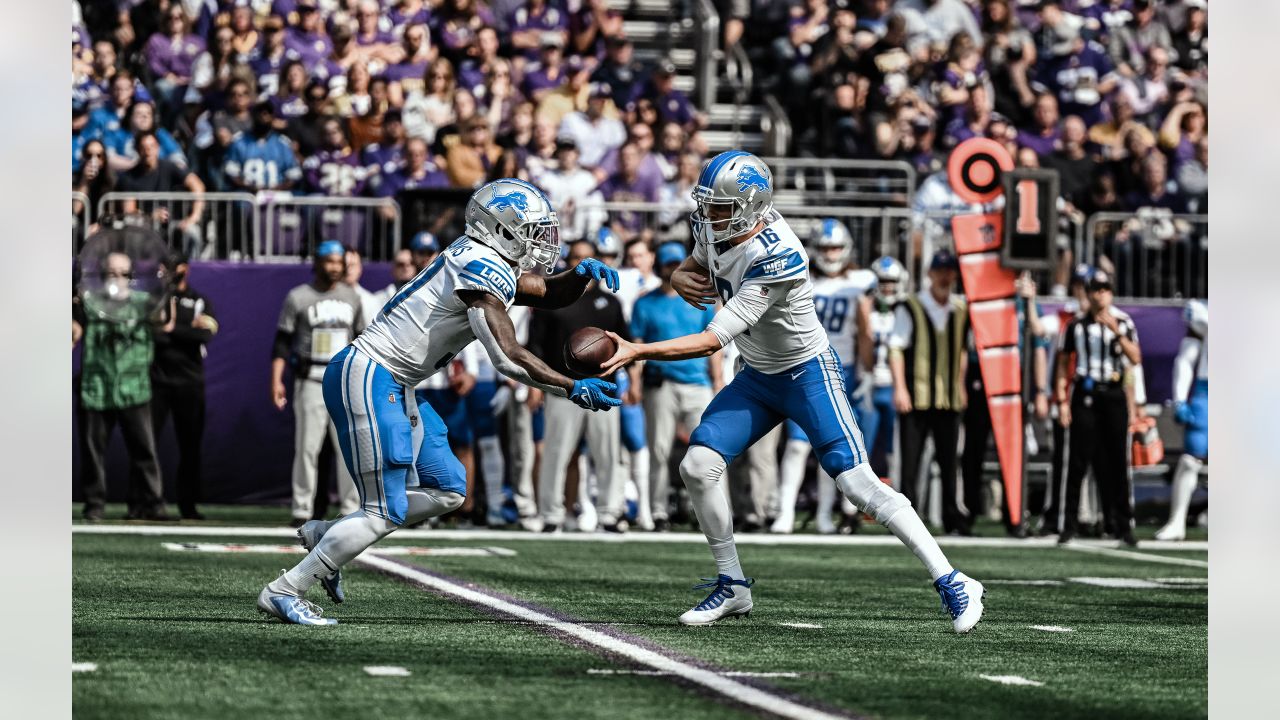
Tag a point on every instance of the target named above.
point(517, 220)
point(892, 277)
point(831, 233)
point(1196, 315)
point(736, 188)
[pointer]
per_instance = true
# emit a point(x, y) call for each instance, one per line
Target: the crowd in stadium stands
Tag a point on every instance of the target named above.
point(375, 97)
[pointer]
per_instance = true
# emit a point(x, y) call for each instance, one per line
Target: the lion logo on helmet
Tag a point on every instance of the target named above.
point(513, 200)
point(749, 176)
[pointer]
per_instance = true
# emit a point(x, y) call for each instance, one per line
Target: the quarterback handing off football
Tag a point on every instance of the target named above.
point(587, 350)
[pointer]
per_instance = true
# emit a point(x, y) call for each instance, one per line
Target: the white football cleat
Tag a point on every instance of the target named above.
point(729, 598)
point(784, 524)
point(1172, 532)
point(961, 599)
point(291, 609)
point(825, 526)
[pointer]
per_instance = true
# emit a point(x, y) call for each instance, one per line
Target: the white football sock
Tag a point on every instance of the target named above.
point(893, 510)
point(790, 478)
point(826, 497)
point(492, 468)
point(1185, 479)
point(702, 471)
point(344, 540)
point(640, 476)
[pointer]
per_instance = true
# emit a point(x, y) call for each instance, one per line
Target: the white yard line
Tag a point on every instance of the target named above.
point(1052, 628)
point(732, 689)
point(386, 671)
point(1144, 557)
point(84, 667)
point(663, 673)
point(298, 550)
point(227, 531)
point(802, 626)
point(1012, 680)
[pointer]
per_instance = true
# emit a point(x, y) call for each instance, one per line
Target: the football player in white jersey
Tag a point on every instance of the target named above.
point(878, 425)
point(746, 255)
point(843, 308)
point(1191, 410)
point(396, 449)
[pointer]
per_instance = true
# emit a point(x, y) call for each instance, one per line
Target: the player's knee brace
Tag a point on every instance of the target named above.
point(701, 466)
point(865, 490)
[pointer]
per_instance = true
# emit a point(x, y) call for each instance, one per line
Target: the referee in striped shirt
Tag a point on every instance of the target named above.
point(1098, 346)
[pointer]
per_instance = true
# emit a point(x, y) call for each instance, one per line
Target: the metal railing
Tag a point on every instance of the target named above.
point(202, 225)
point(291, 226)
point(708, 49)
point(1153, 253)
point(867, 183)
point(776, 126)
point(268, 227)
point(81, 218)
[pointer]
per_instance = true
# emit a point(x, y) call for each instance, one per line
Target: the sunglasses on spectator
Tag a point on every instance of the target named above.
point(92, 155)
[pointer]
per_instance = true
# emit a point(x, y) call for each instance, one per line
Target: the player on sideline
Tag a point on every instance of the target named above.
point(746, 254)
point(844, 312)
point(1191, 409)
point(396, 449)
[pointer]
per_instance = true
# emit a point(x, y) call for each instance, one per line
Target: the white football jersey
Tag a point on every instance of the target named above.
point(788, 333)
point(835, 299)
point(881, 328)
point(425, 325)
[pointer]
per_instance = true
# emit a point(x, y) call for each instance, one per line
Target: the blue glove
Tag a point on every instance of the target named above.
point(597, 270)
point(594, 394)
point(1182, 413)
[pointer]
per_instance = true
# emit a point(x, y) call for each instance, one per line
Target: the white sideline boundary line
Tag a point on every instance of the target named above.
point(84, 667)
point(1130, 555)
point(386, 671)
point(709, 679)
point(676, 537)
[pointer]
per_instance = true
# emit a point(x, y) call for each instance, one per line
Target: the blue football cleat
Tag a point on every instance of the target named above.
point(961, 598)
point(310, 534)
point(291, 609)
point(724, 601)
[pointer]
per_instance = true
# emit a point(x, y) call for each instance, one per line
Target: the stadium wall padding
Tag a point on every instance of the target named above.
point(248, 445)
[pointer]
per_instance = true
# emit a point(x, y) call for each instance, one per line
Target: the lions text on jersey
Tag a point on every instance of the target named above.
point(425, 325)
point(773, 260)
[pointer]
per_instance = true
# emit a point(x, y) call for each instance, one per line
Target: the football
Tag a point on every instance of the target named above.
point(586, 350)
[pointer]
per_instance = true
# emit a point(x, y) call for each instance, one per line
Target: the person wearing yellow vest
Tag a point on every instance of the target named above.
point(928, 359)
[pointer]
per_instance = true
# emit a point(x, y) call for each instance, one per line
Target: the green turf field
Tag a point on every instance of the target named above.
point(175, 633)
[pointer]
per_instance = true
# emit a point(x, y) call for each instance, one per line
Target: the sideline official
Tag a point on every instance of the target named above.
point(1098, 347)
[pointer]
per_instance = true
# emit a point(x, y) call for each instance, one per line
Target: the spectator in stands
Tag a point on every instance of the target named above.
point(109, 117)
point(733, 16)
point(650, 172)
point(245, 38)
point(1130, 43)
point(335, 169)
point(619, 70)
point(402, 271)
point(261, 159)
point(1044, 135)
point(1110, 136)
point(1010, 55)
point(507, 166)
point(808, 22)
point(549, 71)
point(1191, 44)
point(1077, 73)
point(940, 20)
point(499, 97)
point(1148, 92)
point(288, 98)
point(408, 76)
point(269, 64)
point(592, 26)
point(1128, 171)
point(670, 147)
point(677, 195)
point(975, 122)
point(1182, 129)
point(216, 130)
point(346, 53)
point(458, 23)
point(540, 155)
point(383, 158)
point(465, 107)
point(1076, 167)
point(518, 135)
point(896, 136)
point(141, 117)
point(318, 319)
point(177, 380)
point(404, 13)
point(1193, 178)
point(672, 105)
point(428, 111)
point(94, 178)
point(929, 364)
point(531, 23)
point(354, 99)
point(307, 39)
point(593, 131)
point(572, 191)
point(627, 185)
point(366, 127)
point(958, 77)
point(171, 55)
point(155, 174)
point(375, 43)
point(468, 161)
point(480, 55)
point(307, 130)
point(573, 95)
point(212, 71)
point(1154, 192)
point(115, 389)
point(104, 71)
point(418, 172)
